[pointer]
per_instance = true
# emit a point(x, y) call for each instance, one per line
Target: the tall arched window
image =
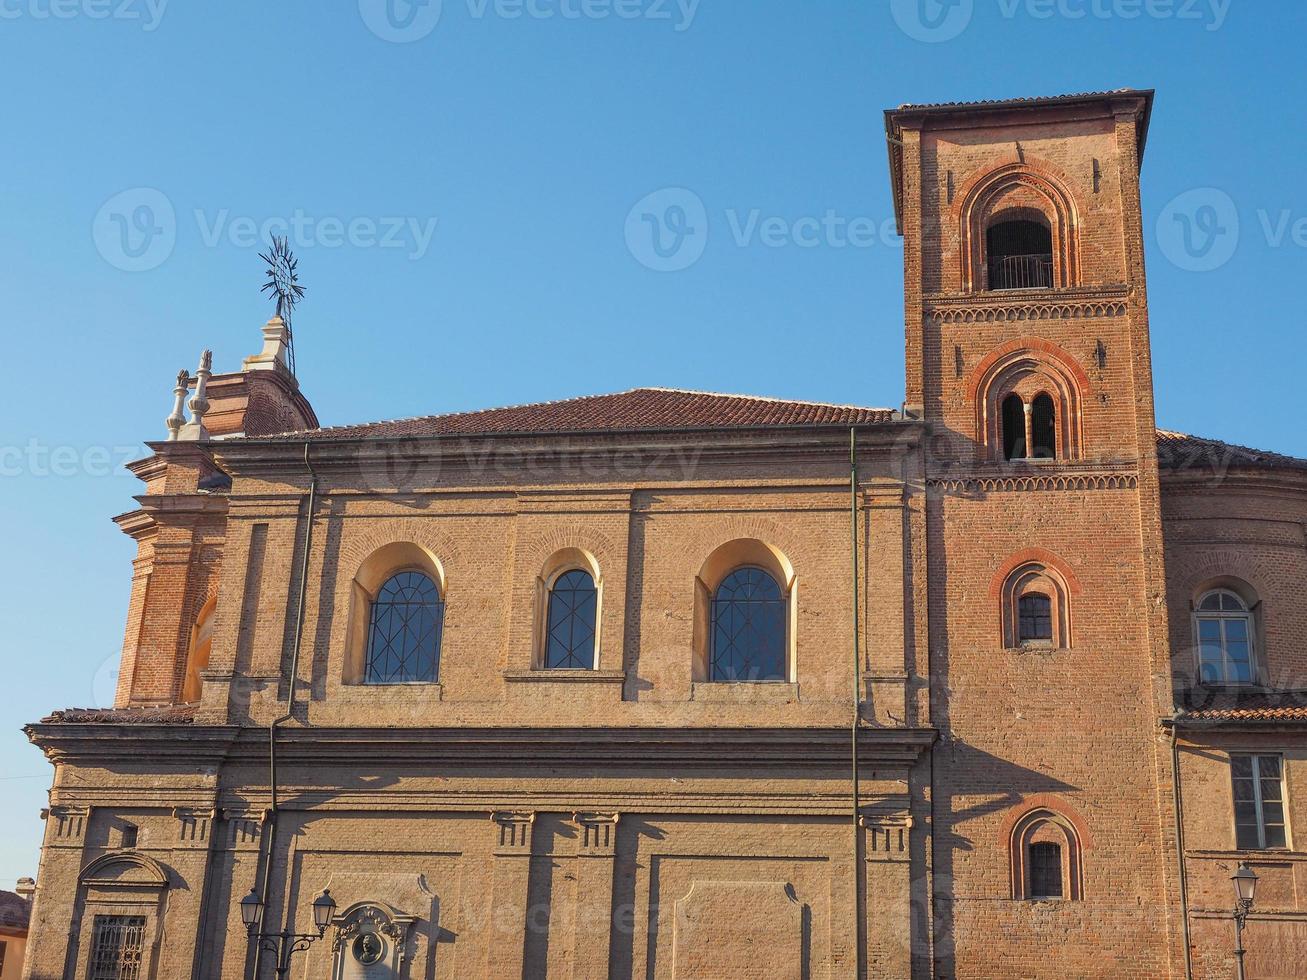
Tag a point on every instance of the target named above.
point(1014, 427)
point(404, 631)
point(198, 659)
point(1046, 853)
point(1224, 627)
point(748, 628)
point(1043, 427)
point(570, 632)
point(1019, 254)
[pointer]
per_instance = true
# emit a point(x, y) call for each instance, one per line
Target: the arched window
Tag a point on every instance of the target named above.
point(1019, 254)
point(1034, 589)
point(570, 633)
point(1045, 870)
point(1034, 618)
point(1046, 845)
point(404, 631)
point(1014, 427)
point(1223, 623)
point(198, 659)
point(748, 628)
point(1043, 427)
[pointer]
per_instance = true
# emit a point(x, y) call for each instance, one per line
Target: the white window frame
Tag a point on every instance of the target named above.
point(1222, 617)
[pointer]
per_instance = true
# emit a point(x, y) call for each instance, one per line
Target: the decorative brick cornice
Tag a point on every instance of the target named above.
point(1012, 307)
point(1051, 481)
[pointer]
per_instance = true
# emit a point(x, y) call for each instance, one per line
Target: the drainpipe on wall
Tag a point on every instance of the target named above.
point(270, 814)
point(1170, 725)
point(860, 952)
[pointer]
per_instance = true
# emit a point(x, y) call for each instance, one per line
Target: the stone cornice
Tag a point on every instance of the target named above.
point(182, 747)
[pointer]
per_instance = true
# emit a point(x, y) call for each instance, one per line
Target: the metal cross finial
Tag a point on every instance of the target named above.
point(283, 283)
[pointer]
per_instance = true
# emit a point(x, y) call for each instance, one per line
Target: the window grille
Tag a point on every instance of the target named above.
point(1035, 619)
point(748, 628)
point(1020, 254)
point(117, 947)
point(404, 631)
point(1045, 870)
point(570, 629)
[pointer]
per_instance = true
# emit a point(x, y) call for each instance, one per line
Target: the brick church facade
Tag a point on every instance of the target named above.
point(676, 684)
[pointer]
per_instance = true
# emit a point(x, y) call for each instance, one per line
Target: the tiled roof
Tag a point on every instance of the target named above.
point(175, 714)
point(1027, 100)
point(1179, 451)
point(638, 409)
point(1234, 706)
point(15, 911)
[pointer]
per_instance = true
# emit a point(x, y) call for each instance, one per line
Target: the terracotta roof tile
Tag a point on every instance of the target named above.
point(641, 408)
point(1178, 451)
point(1235, 706)
point(174, 714)
point(15, 911)
point(1025, 100)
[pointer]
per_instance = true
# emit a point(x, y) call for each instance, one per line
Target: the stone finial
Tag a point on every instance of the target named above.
point(177, 419)
point(194, 430)
point(25, 888)
point(275, 355)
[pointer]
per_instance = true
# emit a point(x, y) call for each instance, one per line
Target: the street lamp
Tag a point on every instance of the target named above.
point(285, 944)
point(1245, 887)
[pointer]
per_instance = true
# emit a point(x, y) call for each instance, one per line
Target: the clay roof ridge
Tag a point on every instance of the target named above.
point(1022, 100)
point(756, 398)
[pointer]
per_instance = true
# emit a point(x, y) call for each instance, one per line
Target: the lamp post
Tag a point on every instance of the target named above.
point(285, 944)
point(1245, 887)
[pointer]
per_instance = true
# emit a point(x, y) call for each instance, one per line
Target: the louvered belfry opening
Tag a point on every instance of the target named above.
point(1020, 254)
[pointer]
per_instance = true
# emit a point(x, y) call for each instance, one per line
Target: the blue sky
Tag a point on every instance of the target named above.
point(458, 190)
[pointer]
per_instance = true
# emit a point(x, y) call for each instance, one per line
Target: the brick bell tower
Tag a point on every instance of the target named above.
point(1028, 355)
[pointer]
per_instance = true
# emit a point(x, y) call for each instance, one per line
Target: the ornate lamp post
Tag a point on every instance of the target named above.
point(1245, 887)
point(285, 944)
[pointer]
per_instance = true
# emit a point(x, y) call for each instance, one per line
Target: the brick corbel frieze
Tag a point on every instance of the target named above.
point(1009, 307)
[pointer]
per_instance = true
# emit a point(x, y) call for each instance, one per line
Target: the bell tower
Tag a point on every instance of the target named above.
point(1027, 353)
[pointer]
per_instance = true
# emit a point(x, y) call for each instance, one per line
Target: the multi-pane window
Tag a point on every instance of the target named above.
point(1258, 801)
point(1035, 618)
point(404, 631)
point(570, 631)
point(117, 947)
point(1225, 639)
point(748, 628)
point(1045, 870)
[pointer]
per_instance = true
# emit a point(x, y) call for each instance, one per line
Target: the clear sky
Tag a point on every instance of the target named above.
point(465, 182)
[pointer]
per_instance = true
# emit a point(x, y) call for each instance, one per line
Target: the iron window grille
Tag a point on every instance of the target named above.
point(117, 947)
point(1045, 870)
point(748, 628)
point(1020, 255)
point(404, 631)
point(1258, 801)
point(570, 624)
